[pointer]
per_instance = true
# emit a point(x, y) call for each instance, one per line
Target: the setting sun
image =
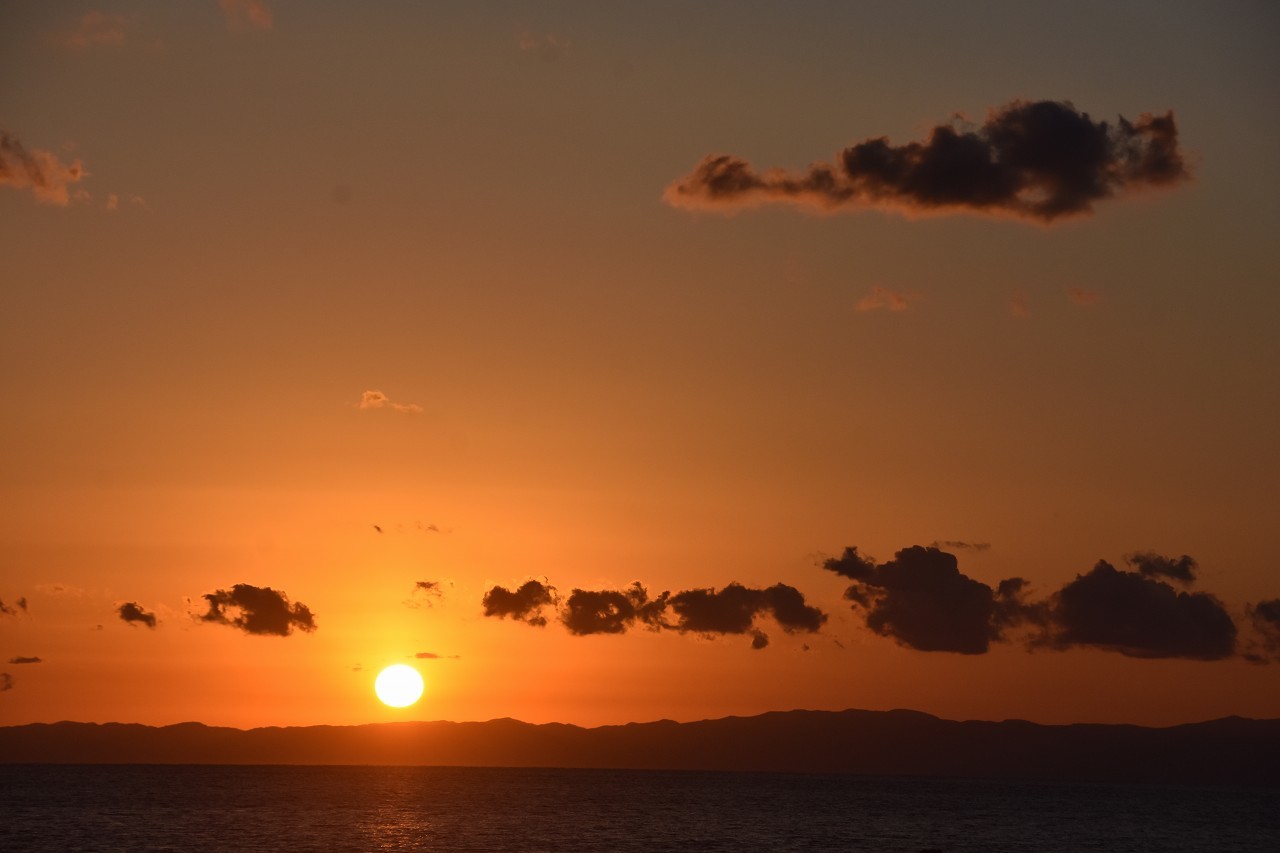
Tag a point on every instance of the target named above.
point(399, 685)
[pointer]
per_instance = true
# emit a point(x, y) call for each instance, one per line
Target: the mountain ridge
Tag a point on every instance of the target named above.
point(1229, 750)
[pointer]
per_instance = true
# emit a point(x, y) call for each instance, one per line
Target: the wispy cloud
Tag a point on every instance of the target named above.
point(6, 682)
point(546, 46)
point(19, 607)
point(21, 660)
point(1034, 160)
point(92, 29)
point(379, 400)
point(42, 172)
point(884, 298)
point(1083, 297)
point(247, 14)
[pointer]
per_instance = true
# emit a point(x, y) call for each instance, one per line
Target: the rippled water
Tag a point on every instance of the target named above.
point(597, 811)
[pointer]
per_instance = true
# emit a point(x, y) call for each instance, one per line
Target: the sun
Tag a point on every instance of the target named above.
point(399, 685)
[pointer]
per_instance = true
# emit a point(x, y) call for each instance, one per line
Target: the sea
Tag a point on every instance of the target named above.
point(262, 808)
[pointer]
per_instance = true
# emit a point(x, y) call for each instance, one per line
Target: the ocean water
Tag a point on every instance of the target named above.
point(181, 808)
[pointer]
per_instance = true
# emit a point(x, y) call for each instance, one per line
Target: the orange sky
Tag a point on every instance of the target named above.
point(223, 224)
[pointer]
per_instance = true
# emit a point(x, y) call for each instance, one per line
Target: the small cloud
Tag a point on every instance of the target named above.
point(882, 297)
point(6, 682)
point(426, 593)
point(524, 604)
point(378, 400)
point(90, 30)
point(21, 660)
point(357, 668)
point(612, 611)
point(957, 543)
point(546, 47)
point(1265, 617)
point(139, 201)
point(18, 608)
point(1019, 304)
point(257, 610)
point(733, 609)
point(48, 178)
point(434, 656)
point(113, 202)
point(759, 639)
point(247, 14)
point(1083, 296)
point(133, 613)
point(1034, 160)
point(1151, 565)
point(54, 589)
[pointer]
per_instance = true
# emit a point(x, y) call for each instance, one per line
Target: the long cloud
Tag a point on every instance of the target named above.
point(1035, 160)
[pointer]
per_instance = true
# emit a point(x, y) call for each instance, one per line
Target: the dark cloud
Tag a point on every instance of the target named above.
point(956, 544)
point(42, 172)
point(1139, 616)
point(1155, 566)
point(20, 659)
point(1265, 616)
point(434, 656)
point(524, 605)
point(132, 612)
point(733, 610)
point(921, 600)
point(257, 610)
point(425, 593)
point(6, 682)
point(19, 607)
point(1037, 160)
point(759, 639)
point(609, 611)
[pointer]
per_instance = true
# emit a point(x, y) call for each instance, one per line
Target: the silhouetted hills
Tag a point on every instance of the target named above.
point(1230, 751)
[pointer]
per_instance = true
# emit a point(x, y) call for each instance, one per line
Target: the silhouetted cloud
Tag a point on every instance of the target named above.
point(132, 612)
point(1265, 616)
point(609, 611)
point(42, 172)
point(921, 600)
point(378, 400)
point(1037, 160)
point(734, 609)
point(434, 656)
point(91, 29)
point(1139, 616)
point(956, 543)
point(19, 607)
point(523, 605)
point(6, 682)
point(20, 660)
point(257, 610)
point(247, 14)
point(882, 297)
point(1155, 566)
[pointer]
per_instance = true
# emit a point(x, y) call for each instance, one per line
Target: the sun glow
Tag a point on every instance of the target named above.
point(399, 685)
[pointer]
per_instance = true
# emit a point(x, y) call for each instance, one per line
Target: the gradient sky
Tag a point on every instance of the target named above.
point(248, 215)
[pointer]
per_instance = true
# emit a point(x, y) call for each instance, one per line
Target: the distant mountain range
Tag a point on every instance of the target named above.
point(1230, 751)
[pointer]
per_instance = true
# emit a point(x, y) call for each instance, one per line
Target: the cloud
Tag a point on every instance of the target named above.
point(20, 660)
point(1019, 304)
point(734, 609)
point(19, 607)
point(1152, 565)
point(547, 47)
point(6, 682)
point(1083, 296)
point(1035, 160)
point(378, 400)
point(132, 612)
point(42, 172)
point(959, 544)
point(1265, 616)
point(434, 656)
point(113, 202)
point(523, 605)
point(257, 610)
point(247, 14)
point(921, 600)
point(1138, 616)
point(609, 611)
point(91, 29)
point(881, 297)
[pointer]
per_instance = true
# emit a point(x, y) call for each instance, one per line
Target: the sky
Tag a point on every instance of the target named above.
point(613, 363)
